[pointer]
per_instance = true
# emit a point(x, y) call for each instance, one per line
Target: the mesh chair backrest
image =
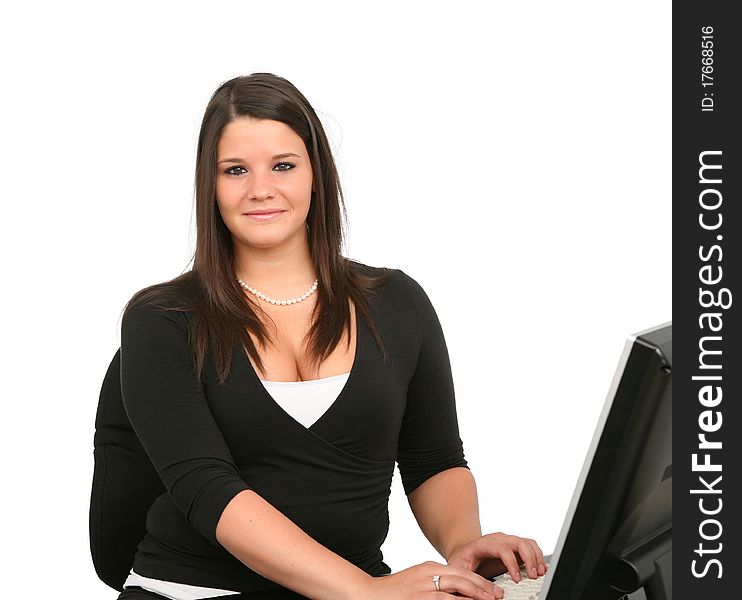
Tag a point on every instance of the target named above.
point(125, 484)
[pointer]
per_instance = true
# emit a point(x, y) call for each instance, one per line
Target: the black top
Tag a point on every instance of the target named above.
point(209, 442)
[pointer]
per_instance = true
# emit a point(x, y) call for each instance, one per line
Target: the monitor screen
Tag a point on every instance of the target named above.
point(617, 534)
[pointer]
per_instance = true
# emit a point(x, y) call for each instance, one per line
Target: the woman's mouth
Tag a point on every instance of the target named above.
point(264, 215)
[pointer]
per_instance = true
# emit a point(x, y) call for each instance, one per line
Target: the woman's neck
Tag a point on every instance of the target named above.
point(277, 272)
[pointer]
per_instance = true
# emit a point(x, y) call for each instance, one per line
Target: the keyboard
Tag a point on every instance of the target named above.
point(527, 589)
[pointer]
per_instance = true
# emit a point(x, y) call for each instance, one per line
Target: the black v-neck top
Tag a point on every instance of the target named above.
point(210, 441)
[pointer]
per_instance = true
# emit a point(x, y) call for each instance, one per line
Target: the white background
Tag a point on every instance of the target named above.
point(514, 158)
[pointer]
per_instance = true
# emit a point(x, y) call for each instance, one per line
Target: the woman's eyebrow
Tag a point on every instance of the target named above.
point(237, 160)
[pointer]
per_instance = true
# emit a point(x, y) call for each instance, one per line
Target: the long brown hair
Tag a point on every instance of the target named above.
point(220, 309)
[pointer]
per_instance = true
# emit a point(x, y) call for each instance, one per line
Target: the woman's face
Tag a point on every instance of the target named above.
point(263, 183)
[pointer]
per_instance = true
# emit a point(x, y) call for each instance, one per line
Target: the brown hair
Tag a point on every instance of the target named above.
point(220, 309)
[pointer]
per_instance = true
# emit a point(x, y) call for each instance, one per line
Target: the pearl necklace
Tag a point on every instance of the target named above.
point(262, 296)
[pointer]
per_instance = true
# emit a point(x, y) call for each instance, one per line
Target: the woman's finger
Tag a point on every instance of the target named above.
point(528, 556)
point(460, 580)
point(541, 565)
point(507, 556)
point(540, 562)
point(476, 579)
point(452, 583)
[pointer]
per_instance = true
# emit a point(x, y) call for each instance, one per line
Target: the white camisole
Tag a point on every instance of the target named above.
point(305, 402)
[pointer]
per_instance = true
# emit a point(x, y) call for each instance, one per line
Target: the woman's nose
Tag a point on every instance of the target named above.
point(260, 185)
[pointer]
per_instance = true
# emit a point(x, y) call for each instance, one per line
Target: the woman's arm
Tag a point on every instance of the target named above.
point(270, 544)
point(440, 490)
point(447, 509)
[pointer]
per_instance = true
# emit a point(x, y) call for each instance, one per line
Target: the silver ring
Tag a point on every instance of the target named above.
point(437, 582)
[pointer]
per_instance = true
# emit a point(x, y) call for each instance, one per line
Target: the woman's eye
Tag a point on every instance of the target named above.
point(289, 165)
point(231, 171)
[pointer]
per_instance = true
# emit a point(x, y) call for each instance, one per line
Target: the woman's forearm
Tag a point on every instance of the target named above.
point(270, 544)
point(447, 509)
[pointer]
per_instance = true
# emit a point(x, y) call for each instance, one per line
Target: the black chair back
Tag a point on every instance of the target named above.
point(125, 484)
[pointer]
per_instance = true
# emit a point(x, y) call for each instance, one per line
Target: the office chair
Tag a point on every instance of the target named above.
point(125, 484)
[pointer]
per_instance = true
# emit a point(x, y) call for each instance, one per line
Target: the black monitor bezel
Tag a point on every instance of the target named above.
point(585, 557)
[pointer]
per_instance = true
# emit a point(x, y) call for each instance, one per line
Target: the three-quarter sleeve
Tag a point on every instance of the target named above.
point(429, 439)
point(169, 412)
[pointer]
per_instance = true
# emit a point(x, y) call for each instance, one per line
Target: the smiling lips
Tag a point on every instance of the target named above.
point(265, 215)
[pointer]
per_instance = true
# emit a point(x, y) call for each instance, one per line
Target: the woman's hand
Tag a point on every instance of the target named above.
point(493, 554)
point(416, 583)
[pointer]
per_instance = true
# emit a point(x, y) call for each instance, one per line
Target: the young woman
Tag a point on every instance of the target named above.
point(275, 385)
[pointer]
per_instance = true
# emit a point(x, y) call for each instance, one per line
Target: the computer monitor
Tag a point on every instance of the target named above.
point(617, 534)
